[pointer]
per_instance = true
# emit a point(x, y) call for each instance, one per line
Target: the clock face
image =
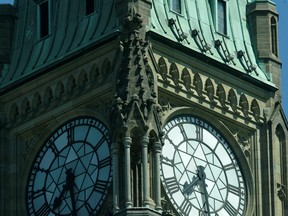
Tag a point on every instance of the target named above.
point(72, 171)
point(199, 171)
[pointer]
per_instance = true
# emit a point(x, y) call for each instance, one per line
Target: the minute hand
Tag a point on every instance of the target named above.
point(202, 185)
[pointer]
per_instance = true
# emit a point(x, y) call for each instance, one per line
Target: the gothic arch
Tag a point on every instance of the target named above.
point(174, 72)
point(243, 103)
point(280, 159)
point(13, 112)
point(273, 29)
point(71, 84)
point(48, 96)
point(163, 68)
point(255, 109)
point(25, 106)
point(220, 92)
point(94, 73)
point(105, 68)
point(209, 88)
point(198, 84)
point(83, 78)
point(186, 78)
point(37, 101)
point(232, 98)
point(59, 91)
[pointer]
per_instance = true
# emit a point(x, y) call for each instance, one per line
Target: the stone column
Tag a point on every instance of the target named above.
point(156, 177)
point(127, 141)
point(115, 167)
point(144, 143)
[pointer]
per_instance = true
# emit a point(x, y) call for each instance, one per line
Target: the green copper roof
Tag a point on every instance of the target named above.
point(70, 30)
point(195, 27)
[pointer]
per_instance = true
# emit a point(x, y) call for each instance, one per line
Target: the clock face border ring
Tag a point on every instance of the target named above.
point(227, 134)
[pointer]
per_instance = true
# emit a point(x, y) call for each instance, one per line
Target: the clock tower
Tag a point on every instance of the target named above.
point(143, 107)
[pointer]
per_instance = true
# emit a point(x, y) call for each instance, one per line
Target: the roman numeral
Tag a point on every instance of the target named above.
point(105, 162)
point(100, 142)
point(100, 186)
point(54, 149)
point(229, 167)
point(71, 134)
point(233, 189)
point(43, 211)
point(172, 184)
point(199, 133)
point(230, 209)
point(185, 207)
point(183, 132)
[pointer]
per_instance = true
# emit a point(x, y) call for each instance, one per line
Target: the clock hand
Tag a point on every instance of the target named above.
point(188, 188)
point(203, 186)
point(69, 183)
point(74, 212)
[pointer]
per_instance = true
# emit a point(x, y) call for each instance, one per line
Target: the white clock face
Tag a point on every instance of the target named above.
point(72, 172)
point(199, 171)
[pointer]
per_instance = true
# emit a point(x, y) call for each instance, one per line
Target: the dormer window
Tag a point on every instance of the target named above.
point(219, 14)
point(175, 6)
point(222, 17)
point(90, 7)
point(44, 19)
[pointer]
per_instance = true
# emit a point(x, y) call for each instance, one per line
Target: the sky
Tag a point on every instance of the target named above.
point(282, 8)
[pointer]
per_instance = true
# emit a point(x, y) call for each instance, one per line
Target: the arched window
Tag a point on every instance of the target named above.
point(280, 164)
point(274, 37)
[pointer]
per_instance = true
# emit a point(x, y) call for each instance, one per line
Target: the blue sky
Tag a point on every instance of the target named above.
point(282, 8)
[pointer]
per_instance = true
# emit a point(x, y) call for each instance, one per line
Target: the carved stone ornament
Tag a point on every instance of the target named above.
point(281, 192)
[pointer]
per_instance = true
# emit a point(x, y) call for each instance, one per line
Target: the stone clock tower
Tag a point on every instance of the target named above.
point(143, 107)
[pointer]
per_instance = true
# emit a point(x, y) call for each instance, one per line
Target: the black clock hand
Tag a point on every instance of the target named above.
point(188, 188)
point(69, 183)
point(203, 186)
point(74, 212)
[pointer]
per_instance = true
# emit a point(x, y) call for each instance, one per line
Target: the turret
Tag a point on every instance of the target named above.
point(264, 28)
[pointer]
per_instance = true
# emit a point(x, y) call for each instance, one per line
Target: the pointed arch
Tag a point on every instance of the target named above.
point(13, 112)
point(174, 72)
point(105, 68)
point(71, 84)
point(25, 106)
point(59, 91)
point(186, 78)
point(220, 92)
point(232, 98)
point(37, 101)
point(163, 68)
point(280, 161)
point(48, 96)
point(198, 84)
point(94, 73)
point(274, 36)
point(209, 88)
point(82, 79)
point(255, 109)
point(243, 103)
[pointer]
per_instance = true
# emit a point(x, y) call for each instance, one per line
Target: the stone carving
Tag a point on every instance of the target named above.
point(281, 192)
point(221, 95)
point(186, 78)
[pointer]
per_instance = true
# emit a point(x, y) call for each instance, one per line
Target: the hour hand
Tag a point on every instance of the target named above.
point(188, 188)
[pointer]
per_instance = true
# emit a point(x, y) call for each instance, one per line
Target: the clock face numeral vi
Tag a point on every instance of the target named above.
point(72, 171)
point(199, 171)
